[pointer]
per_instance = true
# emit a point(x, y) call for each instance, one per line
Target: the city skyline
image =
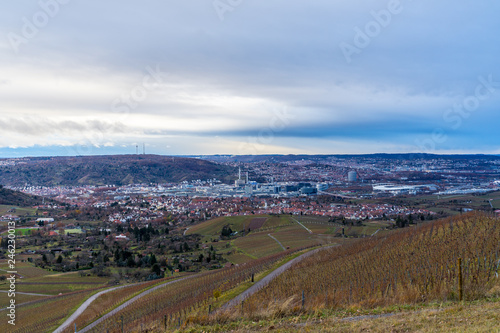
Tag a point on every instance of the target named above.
point(240, 77)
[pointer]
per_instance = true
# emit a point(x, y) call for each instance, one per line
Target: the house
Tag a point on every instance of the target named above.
point(121, 237)
point(45, 220)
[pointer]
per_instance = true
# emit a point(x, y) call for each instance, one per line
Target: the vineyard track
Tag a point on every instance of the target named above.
point(59, 283)
point(284, 249)
point(30, 294)
point(127, 303)
point(230, 304)
point(84, 306)
point(20, 276)
point(303, 226)
point(262, 283)
point(49, 297)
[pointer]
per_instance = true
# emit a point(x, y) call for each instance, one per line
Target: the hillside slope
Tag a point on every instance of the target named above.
point(414, 265)
point(14, 198)
point(106, 170)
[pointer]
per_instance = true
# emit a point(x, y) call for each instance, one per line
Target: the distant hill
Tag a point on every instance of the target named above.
point(110, 170)
point(288, 158)
point(14, 198)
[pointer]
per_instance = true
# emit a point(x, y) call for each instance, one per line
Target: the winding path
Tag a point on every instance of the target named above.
point(265, 281)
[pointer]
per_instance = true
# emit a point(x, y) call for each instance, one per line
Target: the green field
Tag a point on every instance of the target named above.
point(21, 231)
point(73, 231)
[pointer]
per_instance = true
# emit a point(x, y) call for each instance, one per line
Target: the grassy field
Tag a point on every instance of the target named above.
point(20, 232)
point(19, 211)
point(73, 231)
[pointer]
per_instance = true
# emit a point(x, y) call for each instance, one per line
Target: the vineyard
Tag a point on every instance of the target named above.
point(44, 315)
point(414, 265)
point(108, 301)
point(174, 303)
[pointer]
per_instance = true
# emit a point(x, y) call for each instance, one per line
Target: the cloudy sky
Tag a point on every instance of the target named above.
point(81, 77)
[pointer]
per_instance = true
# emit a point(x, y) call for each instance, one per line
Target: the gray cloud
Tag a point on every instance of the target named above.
point(265, 54)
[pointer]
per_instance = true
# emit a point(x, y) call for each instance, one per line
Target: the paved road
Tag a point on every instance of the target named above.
point(127, 303)
point(184, 234)
point(277, 242)
point(265, 281)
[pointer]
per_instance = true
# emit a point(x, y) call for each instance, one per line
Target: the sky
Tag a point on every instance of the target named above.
point(88, 77)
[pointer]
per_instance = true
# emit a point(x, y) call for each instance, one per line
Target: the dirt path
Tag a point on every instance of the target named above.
point(31, 294)
point(20, 276)
point(303, 226)
point(277, 242)
point(265, 281)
